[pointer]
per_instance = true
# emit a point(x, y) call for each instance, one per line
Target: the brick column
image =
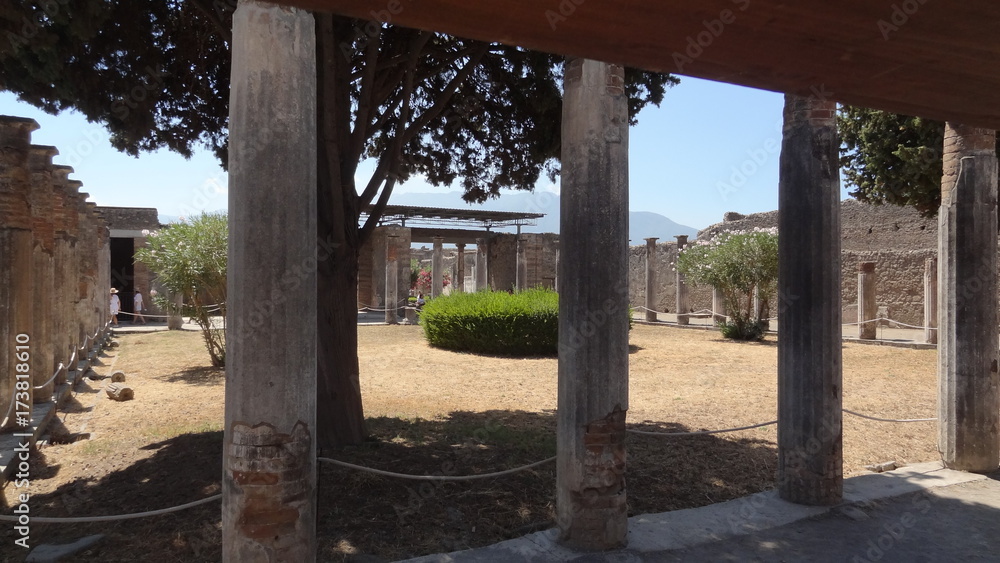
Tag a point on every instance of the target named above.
point(591, 504)
point(16, 264)
point(269, 448)
point(391, 279)
point(810, 368)
point(460, 268)
point(651, 280)
point(968, 399)
point(521, 279)
point(63, 283)
point(43, 230)
point(482, 255)
point(681, 302)
point(437, 268)
point(930, 300)
point(867, 308)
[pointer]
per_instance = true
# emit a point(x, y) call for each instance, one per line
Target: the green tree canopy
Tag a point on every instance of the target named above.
point(189, 260)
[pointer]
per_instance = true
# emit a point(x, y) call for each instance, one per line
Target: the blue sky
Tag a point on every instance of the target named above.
point(709, 148)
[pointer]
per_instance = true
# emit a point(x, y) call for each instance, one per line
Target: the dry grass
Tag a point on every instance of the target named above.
point(433, 411)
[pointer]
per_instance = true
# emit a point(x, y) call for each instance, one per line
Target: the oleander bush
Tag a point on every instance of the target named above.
point(494, 322)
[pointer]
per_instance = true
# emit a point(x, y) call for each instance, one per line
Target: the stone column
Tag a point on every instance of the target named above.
point(521, 281)
point(930, 300)
point(593, 308)
point(17, 334)
point(175, 318)
point(460, 268)
point(719, 311)
point(63, 284)
point(482, 274)
point(810, 370)
point(269, 464)
point(867, 309)
point(968, 400)
point(437, 268)
point(43, 230)
point(391, 279)
point(682, 303)
point(651, 280)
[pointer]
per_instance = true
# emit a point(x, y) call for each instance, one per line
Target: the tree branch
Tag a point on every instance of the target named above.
point(365, 96)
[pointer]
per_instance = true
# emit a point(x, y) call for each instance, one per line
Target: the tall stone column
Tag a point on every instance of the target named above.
point(930, 300)
point(63, 283)
point(593, 308)
point(17, 334)
point(43, 230)
point(810, 368)
point(391, 279)
point(651, 280)
point(867, 308)
point(269, 464)
point(437, 267)
point(521, 281)
point(968, 399)
point(482, 255)
point(682, 303)
point(460, 268)
point(719, 311)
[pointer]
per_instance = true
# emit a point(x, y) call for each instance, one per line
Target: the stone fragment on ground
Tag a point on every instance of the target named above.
point(50, 553)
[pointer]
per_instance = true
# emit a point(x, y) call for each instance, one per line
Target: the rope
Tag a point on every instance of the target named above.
point(702, 432)
point(890, 419)
point(437, 477)
point(89, 519)
point(53, 378)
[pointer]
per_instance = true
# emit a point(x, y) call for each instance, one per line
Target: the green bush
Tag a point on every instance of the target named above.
point(488, 322)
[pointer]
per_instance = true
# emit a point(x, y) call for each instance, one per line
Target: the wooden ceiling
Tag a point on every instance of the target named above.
point(933, 58)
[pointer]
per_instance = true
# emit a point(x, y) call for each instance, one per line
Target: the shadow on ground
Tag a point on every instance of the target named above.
point(361, 513)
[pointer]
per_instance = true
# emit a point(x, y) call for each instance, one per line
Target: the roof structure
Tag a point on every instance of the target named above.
point(411, 216)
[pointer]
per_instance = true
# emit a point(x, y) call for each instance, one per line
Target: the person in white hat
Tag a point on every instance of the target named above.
point(116, 306)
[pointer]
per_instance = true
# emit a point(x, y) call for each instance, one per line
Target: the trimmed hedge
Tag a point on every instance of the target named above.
point(488, 322)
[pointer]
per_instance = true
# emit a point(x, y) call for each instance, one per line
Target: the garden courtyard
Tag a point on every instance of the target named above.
point(432, 411)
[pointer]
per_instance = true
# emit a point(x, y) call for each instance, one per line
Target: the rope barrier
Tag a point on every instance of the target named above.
point(90, 519)
point(702, 432)
point(437, 477)
point(53, 378)
point(889, 419)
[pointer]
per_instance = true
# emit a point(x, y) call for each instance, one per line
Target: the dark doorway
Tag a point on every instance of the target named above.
point(123, 272)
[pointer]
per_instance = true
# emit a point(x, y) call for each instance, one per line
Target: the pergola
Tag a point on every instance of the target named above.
point(933, 59)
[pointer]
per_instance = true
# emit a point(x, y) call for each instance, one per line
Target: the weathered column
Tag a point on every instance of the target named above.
point(719, 311)
point(651, 280)
point(269, 463)
point(810, 433)
point(482, 254)
point(460, 268)
point(968, 400)
point(437, 268)
point(17, 335)
point(63, 284)
point(391, 279)
point(867, 309)
point(593, 308)
point(175, 318)
point(521, 281)
point(930, 300)
point(682, 304)
point(43, 231)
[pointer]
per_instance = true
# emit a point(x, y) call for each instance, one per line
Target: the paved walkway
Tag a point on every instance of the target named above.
point(921, 513)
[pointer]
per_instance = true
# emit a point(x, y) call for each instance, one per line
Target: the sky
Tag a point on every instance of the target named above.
point(708, 149)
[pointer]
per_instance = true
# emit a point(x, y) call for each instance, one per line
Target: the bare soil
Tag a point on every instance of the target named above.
point(437, 412)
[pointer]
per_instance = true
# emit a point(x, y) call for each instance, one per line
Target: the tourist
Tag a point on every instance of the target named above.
point(116, 306)
point(420, 300)
point(137, 315)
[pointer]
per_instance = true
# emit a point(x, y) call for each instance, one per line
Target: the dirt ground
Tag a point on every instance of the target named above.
point(432, 411)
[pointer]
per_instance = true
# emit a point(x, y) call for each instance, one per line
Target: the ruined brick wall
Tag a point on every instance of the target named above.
point(699, 298)
point(131, 218)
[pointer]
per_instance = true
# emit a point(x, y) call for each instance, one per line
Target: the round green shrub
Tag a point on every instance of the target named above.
point(489, 322)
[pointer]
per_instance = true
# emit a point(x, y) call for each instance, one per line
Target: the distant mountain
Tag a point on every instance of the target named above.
point(642, 224)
